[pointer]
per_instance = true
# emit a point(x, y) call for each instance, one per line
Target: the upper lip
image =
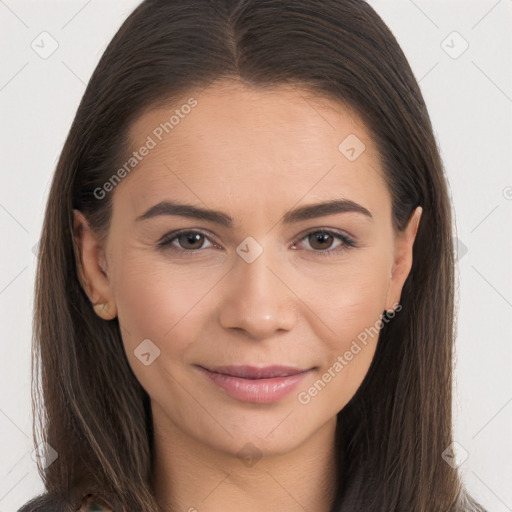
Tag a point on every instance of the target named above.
point(253, 372)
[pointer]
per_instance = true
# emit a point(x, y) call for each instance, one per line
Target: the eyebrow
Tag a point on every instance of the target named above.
point(299, 214)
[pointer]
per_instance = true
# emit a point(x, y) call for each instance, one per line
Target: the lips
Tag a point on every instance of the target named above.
point(264, 385)
point(252, 372)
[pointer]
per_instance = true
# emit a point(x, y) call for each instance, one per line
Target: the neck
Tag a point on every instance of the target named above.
point(191, 476)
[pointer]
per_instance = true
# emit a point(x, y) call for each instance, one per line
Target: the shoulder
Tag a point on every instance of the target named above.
point(48, 503)
point(95, 503)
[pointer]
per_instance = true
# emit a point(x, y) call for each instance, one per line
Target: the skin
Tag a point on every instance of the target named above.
point(253, 154)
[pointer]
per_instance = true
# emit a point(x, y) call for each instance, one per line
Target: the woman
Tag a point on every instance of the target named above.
point(244, 296)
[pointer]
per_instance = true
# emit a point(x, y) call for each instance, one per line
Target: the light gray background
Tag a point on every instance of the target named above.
point(469, 97)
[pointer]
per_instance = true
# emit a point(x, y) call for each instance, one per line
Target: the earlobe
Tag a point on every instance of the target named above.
point(92, 268)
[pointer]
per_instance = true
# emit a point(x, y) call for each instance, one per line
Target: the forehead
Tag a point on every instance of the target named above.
point(243, 143)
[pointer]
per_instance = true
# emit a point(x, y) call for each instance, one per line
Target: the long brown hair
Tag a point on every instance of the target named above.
point(87, 403)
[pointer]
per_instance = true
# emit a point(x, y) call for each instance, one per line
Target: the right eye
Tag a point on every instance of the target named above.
point(187, 241)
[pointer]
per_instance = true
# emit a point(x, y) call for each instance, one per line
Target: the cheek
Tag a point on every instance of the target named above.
point(347, 307)
point(347, 297)
point(165, 307)
point(347, 354)
point(160, 303)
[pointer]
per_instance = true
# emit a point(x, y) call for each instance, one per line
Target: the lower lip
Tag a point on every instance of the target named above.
point(263, 391)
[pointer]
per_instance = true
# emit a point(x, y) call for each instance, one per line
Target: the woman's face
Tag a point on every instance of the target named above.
point(270, 279)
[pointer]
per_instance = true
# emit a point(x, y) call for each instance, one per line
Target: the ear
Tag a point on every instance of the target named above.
point(402, 260)
point(91, 266)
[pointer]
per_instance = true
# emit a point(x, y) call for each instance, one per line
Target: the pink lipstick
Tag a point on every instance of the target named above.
point(252, 384)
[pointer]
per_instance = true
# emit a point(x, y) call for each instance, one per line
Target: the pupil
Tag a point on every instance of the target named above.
point(194, 237)
point(321, 238)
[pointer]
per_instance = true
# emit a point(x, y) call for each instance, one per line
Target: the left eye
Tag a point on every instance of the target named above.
point(320, 240)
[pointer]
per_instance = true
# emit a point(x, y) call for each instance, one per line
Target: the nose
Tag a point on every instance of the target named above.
point(257, 299)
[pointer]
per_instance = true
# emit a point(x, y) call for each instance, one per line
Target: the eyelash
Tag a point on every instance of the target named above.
point(348, 243)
